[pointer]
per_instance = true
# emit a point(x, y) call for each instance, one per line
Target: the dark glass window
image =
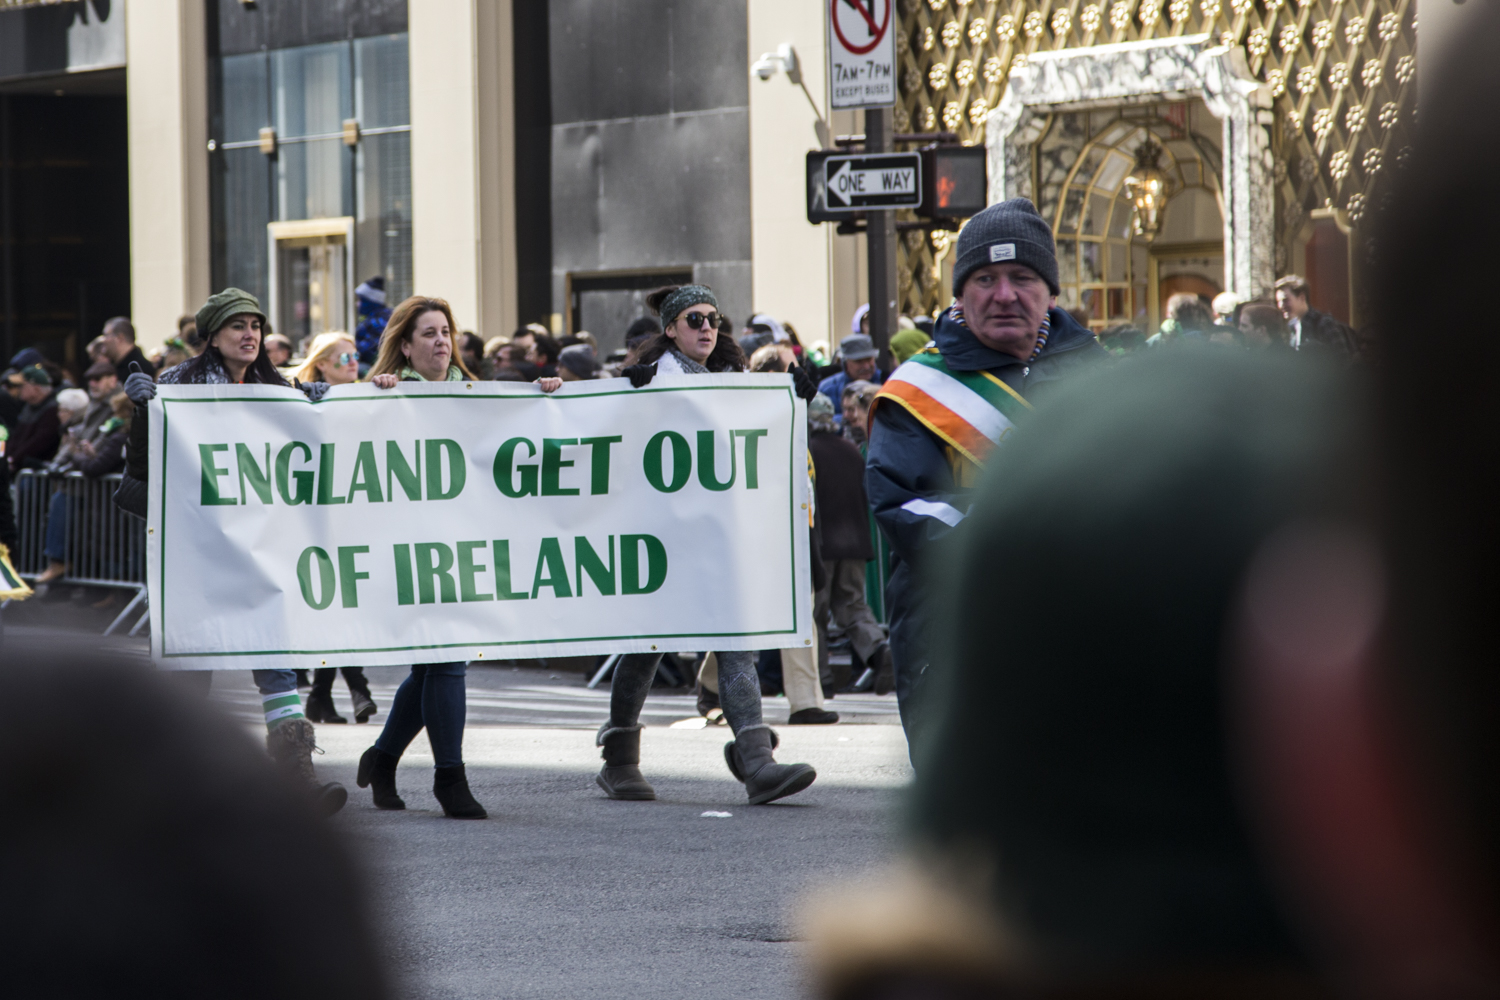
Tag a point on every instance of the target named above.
point(306, 94)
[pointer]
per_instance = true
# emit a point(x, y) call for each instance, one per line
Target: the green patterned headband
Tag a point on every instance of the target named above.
point(688, 295)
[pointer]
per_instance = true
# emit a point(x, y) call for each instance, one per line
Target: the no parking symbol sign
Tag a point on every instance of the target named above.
point(861, 53)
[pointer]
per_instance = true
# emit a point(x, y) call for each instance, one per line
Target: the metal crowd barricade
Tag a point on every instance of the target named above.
point(102, 545)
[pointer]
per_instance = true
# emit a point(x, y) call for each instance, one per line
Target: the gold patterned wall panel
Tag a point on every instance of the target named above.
point(1341, 73)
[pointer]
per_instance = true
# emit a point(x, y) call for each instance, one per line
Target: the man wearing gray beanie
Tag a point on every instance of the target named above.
point(997, 349)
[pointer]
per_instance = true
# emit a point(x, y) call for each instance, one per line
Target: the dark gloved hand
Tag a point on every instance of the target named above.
point(314, 391)
point(640, 375)
point(803, 383)
point(140, 387)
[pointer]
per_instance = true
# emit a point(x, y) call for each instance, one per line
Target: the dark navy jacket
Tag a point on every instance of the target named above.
point(914, 483)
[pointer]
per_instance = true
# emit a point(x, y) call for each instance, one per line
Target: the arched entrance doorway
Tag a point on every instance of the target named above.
point(1164, 87)
point(1080, 162)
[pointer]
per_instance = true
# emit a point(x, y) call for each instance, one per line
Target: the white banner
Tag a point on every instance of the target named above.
point(476, 521)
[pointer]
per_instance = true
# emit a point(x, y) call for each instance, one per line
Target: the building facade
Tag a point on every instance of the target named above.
point(551, 161)
point(1274, 120)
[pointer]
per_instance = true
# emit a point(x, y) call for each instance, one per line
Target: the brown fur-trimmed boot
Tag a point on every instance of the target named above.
point(291, 745)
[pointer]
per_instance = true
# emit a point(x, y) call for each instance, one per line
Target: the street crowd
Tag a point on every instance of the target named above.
point(894, 457)
point(1190, 631)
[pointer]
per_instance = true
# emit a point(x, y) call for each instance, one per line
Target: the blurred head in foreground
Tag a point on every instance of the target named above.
point(1242, 734)
point(1385, 706)
point(147, 848)
point(1083, 781)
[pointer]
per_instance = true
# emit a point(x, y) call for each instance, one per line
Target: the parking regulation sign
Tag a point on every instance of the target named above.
point(861, 53)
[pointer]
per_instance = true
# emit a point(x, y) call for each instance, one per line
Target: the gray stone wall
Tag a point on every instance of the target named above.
point(651, 143)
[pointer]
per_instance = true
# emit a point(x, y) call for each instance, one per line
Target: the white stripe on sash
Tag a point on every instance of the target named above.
point(946, 513)
point(968, 405)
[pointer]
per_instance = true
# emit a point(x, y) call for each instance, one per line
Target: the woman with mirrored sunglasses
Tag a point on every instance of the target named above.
point(690, 344)
point(333, 358)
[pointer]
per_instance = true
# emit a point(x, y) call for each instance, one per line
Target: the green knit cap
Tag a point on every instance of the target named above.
point(906, 343)
point(222, 305)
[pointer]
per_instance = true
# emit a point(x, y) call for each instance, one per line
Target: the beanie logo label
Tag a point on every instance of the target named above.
point(1002, 251)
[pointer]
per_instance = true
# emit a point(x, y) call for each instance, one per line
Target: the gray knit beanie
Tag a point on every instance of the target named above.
point(1008, 232)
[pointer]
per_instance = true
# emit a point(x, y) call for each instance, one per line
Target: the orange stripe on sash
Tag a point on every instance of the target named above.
point(937, 418)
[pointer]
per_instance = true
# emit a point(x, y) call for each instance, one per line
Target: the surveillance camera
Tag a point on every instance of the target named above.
point(766, 66)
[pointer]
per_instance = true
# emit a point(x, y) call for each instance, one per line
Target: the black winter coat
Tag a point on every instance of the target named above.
point(912, 481)
point(843, 510)
point(36, 436)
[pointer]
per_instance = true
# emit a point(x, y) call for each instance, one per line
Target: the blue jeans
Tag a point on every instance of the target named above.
point(432, 696)
point(274, 681)
point(56, 545)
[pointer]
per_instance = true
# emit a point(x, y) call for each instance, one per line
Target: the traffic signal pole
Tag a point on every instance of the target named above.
point(880, 245)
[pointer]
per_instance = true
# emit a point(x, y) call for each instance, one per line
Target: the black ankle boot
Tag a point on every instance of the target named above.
point(319, 706)
point(378, 768)
point(359, 691)
point(452, 790)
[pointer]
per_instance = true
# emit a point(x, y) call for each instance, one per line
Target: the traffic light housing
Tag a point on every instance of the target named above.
point(955, 182)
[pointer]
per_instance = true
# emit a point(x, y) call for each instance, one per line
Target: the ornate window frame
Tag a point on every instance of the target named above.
point(1152, 71)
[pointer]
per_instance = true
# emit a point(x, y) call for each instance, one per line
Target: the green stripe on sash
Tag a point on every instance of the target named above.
point(987, 387)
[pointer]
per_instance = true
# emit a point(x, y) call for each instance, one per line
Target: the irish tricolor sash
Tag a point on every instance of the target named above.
point(971, 411)
point(12, 587)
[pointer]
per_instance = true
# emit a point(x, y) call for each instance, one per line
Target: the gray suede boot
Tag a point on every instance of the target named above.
point(291, 745)
point(749, 759)
point(621, 775)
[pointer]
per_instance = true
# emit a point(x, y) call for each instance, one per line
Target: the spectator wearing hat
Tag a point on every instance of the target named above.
point(935, 421)
point(369, 303)
point(906, 343)
point(857, 354)
point(121, 349)
point(102, 382)
point(278, 349)
point(577, 363)
point(37, 431)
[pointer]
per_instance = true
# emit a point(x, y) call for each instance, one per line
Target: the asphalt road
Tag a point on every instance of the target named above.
point(563, 893)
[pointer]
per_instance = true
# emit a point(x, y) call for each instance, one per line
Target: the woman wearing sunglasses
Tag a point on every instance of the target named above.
point(332, 358)
point(689, 344)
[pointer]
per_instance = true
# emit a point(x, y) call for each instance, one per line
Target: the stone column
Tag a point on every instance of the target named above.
point(463, 160)
point(166, 87)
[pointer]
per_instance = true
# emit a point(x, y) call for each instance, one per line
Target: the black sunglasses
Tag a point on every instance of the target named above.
point(695, 320)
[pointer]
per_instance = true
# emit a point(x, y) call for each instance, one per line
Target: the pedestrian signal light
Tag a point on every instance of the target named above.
point(956, 182)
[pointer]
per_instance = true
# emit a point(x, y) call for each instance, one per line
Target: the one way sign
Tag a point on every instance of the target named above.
point(841, 184)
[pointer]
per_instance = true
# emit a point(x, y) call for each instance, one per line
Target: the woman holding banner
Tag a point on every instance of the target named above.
point(418, 346)
point(231, 324)
point(689, 344)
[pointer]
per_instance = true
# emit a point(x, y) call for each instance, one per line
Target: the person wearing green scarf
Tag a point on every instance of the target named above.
point(418, 346)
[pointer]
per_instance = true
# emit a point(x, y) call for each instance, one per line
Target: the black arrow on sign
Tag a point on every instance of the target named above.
point(859, 7)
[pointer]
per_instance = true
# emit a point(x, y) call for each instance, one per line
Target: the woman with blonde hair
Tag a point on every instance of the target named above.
point(332, 358)
point(419, 346)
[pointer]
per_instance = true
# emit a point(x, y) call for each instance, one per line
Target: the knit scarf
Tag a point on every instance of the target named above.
point(957, 312)
point(688, 364)
point(408, 373)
